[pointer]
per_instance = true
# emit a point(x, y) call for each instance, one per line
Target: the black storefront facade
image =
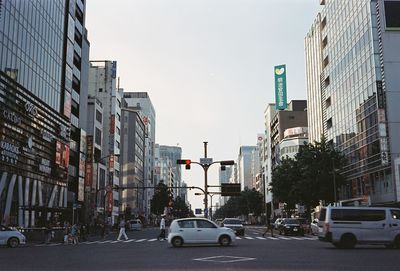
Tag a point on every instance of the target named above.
point(34, 159)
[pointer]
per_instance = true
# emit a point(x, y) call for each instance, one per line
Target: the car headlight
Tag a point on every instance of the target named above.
point(287, 227)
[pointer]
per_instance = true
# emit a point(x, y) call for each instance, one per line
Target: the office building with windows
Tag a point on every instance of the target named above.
point(142, 101)
point(352, 69)
point(43, 51)
point(103, 86)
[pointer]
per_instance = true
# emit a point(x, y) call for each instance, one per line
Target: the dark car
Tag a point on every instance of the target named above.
point(291, 226)
point(234, 224)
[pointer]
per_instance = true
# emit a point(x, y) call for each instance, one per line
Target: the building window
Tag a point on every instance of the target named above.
point(99, 116)
point(98, 136)
point(100, 89)
point(118, 117)
point(392, 14)
point(329, 123)
point(328, 102)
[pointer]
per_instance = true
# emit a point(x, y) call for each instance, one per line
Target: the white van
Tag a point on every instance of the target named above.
point(345, 227)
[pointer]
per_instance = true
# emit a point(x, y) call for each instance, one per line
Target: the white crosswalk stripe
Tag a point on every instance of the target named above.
point(253, 238)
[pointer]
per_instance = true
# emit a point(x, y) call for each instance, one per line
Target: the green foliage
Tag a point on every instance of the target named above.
point(180, 209)
point(309, 177)
point(249, 201)
point(160, 199)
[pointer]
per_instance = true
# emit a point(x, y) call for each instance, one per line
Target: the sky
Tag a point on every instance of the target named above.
point(207, 66)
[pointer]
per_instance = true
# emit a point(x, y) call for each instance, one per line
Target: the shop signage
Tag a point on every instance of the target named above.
point(280, 87)
point(12, 117)
point(47, 136)
point(31, 109)
point(44, 166)
point(9, 152)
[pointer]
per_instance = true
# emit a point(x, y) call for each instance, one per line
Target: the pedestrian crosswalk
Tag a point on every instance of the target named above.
point(150, 240)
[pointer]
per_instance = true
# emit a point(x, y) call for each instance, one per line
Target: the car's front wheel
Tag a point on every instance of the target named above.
point(177, 242)
point(13, 242)
point(225, 240)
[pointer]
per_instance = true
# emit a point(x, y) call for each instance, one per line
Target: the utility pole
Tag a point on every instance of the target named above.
point(205, 167)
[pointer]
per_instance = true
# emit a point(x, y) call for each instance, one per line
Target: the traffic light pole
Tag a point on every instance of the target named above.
point(205, 163)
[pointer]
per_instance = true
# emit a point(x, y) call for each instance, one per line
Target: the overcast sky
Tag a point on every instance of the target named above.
point(206, 64)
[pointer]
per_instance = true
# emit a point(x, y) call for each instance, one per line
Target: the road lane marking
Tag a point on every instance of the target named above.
point(261, 238)
point(249, 238)
point(130, 240)
point(152, 240)
point(273, 238)
point(141, 240)
point(238, 238)
point(285, 238)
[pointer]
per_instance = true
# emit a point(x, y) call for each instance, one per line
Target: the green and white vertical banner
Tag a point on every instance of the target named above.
point(280, 87)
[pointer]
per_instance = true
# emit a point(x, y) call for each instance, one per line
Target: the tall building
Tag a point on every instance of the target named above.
point(294, 139)
point(43, 51)
point(169, 154)
point(352, 68)
point(103, 86)
point(244, 167)
point(294, 116)
point(269, 113)
point(132, 160)
point(142, 101)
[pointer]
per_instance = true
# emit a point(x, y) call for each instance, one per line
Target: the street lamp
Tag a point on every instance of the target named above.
point(334, 181)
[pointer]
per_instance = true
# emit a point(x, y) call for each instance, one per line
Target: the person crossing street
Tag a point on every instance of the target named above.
point(122, 230)
point(162, 228)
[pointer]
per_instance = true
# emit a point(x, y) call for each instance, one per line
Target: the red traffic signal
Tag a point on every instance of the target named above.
point(185, 162)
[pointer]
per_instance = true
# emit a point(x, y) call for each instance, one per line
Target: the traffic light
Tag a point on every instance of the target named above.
point(185, 162)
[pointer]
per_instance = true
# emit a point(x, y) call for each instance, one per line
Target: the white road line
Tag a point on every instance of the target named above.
point(238, 238)
point(285, 238)
point(89, 243)
point(130, 240)
point(249, 238)
point(152, 240)
point(261, 238)
point(298, 238)
point(273, 238)
point(104, 242)
point(141, 240)
point(310, 238)
point(116, 241)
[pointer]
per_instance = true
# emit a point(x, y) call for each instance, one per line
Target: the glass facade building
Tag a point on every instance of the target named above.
point(41, 60)
point(351, 69)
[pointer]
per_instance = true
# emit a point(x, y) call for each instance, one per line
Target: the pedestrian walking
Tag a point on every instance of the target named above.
point(74, 234)
point(269, 228)
point(48, 233)
point(162, 228)
point(122, 230)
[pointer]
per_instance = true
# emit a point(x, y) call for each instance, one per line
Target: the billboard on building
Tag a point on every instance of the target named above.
point(280, 87)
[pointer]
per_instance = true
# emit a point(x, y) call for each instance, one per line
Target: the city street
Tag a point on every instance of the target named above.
point(144, 252)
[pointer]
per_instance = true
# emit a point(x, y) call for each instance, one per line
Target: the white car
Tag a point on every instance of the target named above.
point(135, 225)
point(197, 231)
point(11, 237)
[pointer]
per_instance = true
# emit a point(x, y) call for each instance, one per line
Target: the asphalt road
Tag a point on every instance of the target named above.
point(252, 252)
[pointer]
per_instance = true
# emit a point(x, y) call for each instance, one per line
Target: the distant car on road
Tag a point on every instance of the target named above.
point(11, 237)
point(234, 224)
point(135, 225)
point(197, 231)
point(291, 226)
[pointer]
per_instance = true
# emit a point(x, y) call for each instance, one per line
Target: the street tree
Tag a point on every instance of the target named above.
point(313, 175)
point(285, 183)
point(160, 200)
point(180, 208)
